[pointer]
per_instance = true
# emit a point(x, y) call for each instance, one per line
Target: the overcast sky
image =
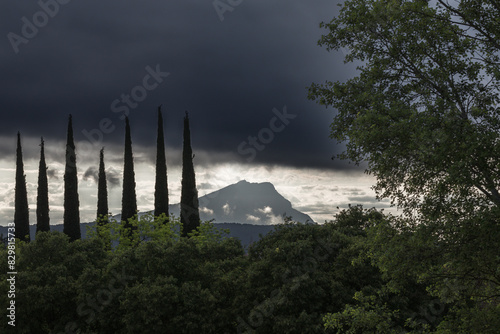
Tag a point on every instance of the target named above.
point(241, 69)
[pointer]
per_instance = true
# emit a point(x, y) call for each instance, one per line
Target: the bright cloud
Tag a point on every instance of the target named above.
point(227, 209)
point(315, 192)
point(206, 210)
point(253, 218)
point(267, 210)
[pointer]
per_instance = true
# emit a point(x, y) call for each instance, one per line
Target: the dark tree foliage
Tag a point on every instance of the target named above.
point(71, 200)
point(161, 186)
point(21, 213)
point(102, 192)
point(293, 280)
point(190, 216)
point(42, 200)
point(129, 200)
point(423, 113)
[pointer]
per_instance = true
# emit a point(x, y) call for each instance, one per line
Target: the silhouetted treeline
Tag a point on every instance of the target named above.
point(189, 198)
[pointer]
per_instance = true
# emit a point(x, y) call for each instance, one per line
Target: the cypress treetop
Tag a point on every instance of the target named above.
point(129, 199)
point(21, 211)
point(71, 199)
point(102, 192)
point(190, 216)
point(161, 185)
point(42, 199)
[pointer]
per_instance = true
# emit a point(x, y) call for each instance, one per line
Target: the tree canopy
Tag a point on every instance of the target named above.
point(423, 113)
point(423, 110)
point(154, 280)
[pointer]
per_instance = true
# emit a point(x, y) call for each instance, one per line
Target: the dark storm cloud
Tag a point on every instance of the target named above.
point(91, 173)
point(91, 58)
point(112, 176)
point(52, 174)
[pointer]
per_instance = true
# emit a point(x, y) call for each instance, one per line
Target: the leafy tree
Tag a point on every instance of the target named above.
point(192, 285)
point(398, 301)
point(129, 199)
point(173, 284)
point(42, 200)
point(21, 213)
point(159, 281)
point(71, 200)
point(51, 274)
point(299, 273)
point(102, 192)
point(161, 185)
point(423, 112)
point(139, 229)
point(190, 215)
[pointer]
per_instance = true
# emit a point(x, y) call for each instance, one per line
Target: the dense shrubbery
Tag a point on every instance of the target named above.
point(360, 273)
point(153, 280)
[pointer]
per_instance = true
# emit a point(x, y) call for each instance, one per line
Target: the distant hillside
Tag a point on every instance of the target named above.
point(247, 233)
point(247, 203)
point(246, 209)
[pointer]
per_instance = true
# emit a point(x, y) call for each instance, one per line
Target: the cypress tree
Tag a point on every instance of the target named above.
point(129, 200)
point(190, 216)
point(102, 192)
point(42, 199)
point(161, 185)
point(21, 212)
point(71, 200)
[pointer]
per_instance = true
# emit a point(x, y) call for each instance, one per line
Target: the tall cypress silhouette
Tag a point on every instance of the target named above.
point(21, 212)
point(190, 216)
point(42, 199)
point(102, 192)
point(161, 185)
point(129, 200)
point(71, 200)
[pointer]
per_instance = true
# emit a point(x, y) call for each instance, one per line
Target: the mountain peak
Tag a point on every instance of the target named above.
point(245, 183)
point(248, 202)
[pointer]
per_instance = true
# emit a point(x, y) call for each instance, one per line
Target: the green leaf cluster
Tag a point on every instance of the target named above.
point(153, 280)
point(423, 113)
